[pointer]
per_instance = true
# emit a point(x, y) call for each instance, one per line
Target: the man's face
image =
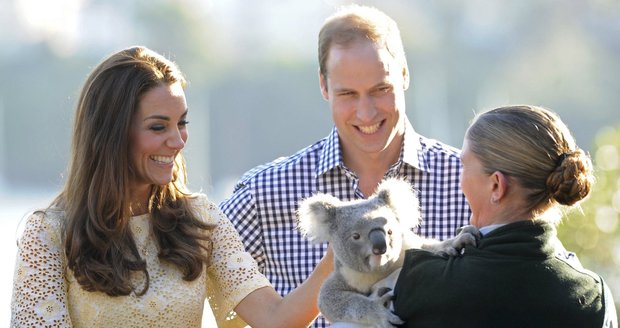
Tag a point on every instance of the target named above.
point(365, 88)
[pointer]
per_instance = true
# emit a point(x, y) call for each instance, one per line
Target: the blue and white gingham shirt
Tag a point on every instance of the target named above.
point(264, 203)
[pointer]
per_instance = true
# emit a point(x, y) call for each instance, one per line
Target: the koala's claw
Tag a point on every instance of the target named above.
point(471, 232)
point(396, 320)
point(386, 297)
point(466, 236)
point(391, 320)
point(386, 319)
point(382, 291)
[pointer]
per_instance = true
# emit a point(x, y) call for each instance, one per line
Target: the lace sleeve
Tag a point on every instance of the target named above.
point(233, 273)
point(39, 290)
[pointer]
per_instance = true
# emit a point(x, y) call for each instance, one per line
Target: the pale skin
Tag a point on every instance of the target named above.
point(264, 307)
point(159, 133)
point(365, 89)
point(493, 198)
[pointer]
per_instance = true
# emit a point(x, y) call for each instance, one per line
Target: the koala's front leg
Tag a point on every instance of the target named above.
point(339, 303)
point(467, 235)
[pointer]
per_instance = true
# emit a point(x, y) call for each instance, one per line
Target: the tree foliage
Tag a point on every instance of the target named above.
point(593, 232)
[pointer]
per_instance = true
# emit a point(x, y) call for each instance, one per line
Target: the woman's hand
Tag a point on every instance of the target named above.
point(264, 307)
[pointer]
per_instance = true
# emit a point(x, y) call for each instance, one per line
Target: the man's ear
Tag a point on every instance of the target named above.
point(500, 186)
point(323, 85)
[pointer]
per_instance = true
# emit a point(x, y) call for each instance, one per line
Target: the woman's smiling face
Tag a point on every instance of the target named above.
point(158, 134)
point(476, 186)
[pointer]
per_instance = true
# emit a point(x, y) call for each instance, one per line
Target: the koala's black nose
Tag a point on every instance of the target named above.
point(378, 242)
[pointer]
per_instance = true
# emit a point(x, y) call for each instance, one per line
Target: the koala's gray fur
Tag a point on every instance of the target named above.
point(369, 238)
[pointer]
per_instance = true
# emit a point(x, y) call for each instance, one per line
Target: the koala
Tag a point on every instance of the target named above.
point(369, 238)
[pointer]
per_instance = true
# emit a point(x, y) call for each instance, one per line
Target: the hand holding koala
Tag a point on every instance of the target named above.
point(369, 238)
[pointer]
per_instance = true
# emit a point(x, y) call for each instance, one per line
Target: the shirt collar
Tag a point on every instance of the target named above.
point(411, 152)
point(330, 156)
point(486, 229)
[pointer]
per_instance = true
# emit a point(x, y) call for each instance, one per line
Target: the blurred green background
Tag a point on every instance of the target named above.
point(592, 230)
point(254, 95)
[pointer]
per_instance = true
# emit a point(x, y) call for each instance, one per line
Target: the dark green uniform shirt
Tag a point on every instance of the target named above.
point(519, 276)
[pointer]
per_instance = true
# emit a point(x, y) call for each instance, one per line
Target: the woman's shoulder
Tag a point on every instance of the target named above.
point(207, 210)
point(43, 219)
point(200, 201)
point(45, 225)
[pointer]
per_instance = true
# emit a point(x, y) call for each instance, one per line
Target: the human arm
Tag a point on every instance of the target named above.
point(297, 308)
point(237, 283)
point(39, 286)
point(264, 307)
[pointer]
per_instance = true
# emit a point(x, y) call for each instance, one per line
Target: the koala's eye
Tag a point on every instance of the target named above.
point(356, 236)
point(389, 232)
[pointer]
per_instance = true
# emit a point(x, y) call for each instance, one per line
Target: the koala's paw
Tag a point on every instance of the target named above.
point(383, 317)
point(467, 235)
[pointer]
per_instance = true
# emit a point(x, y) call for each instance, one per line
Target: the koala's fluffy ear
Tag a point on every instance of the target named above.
point(315, 216)
point(400, 196)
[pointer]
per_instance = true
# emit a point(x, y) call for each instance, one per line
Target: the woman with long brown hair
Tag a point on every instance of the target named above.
point(125, 243)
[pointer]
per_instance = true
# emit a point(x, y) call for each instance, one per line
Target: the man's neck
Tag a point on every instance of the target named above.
point(371, 168)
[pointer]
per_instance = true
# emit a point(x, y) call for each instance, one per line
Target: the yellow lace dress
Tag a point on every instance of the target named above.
point(46, 294)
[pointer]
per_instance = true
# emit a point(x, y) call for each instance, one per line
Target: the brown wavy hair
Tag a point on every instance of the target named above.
point(99, 246)
point(532, 145)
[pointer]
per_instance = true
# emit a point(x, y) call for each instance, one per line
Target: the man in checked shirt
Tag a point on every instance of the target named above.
point(363, 75)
